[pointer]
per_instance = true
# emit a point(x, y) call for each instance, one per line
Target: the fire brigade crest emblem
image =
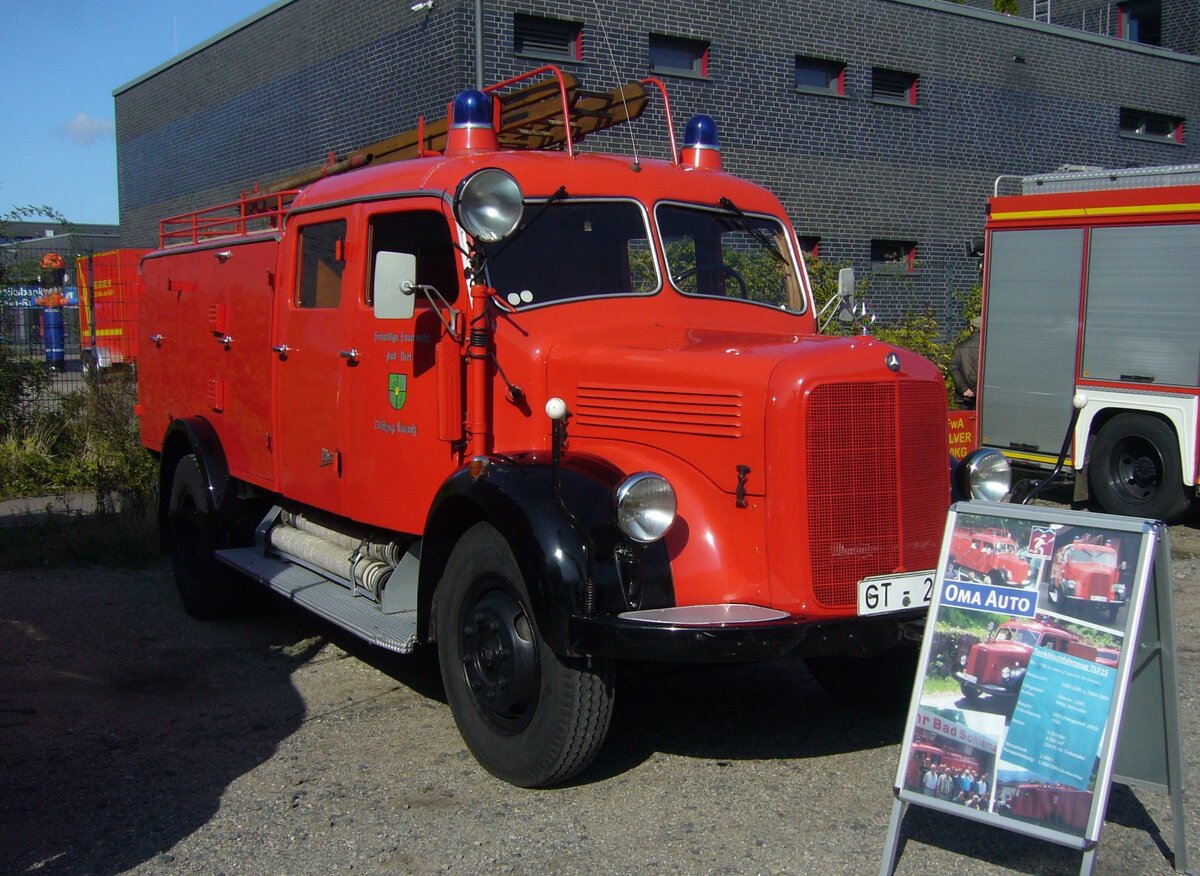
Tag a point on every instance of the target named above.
point(397, 390)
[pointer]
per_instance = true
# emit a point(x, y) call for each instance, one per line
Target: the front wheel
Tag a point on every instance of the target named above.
point(1134, 468)
point(529, 716)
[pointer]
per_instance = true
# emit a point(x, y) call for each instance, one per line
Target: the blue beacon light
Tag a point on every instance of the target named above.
point(471, 123)
point(700, 146)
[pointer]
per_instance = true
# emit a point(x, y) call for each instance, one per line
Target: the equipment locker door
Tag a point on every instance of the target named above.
point(397, 457)
point(1031, 339)
point(312, 360)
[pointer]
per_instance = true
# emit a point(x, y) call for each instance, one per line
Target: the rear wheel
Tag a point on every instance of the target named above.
point(529, 716)
point(882, 681)
point(207, 589)
point(1135, 470)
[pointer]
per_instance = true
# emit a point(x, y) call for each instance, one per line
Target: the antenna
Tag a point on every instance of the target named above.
point(612, 59)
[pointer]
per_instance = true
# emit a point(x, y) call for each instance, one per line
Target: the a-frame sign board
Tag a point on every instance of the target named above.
point(1049, 638)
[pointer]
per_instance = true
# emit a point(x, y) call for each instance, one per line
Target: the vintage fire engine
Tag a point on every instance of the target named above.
point(1086, 577)
point(544, 408)
point(987, 555)
point(997, 667)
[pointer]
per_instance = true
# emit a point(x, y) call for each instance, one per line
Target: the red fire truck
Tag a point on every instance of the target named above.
point(108, 307)
point(1053, 805)
point(988, 555)
point(1089, 290)
point(1086, 577)
point(546, 409)
point(997, 667)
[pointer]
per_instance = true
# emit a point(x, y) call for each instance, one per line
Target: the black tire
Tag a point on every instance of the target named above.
point(208, 589)
point(883, 681)
point(1134, 469)
point(529, 716)
point(970, 692)
point(997, 578)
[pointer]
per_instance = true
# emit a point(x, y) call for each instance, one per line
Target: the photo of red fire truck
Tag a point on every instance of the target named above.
point(989, 555)
point(1085, 579)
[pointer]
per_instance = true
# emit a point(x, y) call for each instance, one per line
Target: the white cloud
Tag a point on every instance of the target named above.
point(87, 130)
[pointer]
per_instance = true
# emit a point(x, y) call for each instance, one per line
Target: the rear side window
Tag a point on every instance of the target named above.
point(322, 261)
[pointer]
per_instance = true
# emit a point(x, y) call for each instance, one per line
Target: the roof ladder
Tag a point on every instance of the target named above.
point(1041, 10)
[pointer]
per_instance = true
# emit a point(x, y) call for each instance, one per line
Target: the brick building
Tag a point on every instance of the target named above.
point(881, 124)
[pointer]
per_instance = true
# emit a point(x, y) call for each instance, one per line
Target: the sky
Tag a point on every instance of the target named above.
point(61, 60)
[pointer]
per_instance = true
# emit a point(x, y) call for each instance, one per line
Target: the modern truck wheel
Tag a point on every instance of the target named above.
point(1134, 468)
point(207, 589)
point(529, 716)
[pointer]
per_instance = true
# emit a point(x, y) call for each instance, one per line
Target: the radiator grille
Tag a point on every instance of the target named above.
point(878, 483)
point(713, 414)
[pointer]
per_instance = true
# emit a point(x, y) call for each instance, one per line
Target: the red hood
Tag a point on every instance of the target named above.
point(710, 397)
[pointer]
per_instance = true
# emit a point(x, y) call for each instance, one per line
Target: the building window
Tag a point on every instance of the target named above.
point(894, 86)
point(810, 245)
point(897, 253)
point(678, 56)
point(1151, 126)
point(1140, 21)
point(818, 76)
point(549, 38)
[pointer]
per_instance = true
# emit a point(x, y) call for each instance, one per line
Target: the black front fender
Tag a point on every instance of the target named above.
point(565, 542)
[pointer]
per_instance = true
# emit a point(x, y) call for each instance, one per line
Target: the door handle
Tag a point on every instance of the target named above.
point(283, 350)
point(351, 354)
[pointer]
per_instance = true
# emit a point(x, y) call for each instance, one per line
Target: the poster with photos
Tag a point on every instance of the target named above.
point(1023, 668)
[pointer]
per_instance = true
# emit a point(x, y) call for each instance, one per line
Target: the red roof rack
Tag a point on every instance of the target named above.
point(254, 212)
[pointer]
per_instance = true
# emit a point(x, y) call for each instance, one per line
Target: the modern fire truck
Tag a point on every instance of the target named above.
point(546, 409)
point(1090, 292)
point(108, 307)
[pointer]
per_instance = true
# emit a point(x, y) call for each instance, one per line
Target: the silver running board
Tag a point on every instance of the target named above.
point(327, 599)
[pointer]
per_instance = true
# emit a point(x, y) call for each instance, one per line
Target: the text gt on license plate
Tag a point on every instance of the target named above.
point(885, 593)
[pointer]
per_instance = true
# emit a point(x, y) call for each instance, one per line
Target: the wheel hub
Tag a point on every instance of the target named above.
point(1137, 471)
point(500, 658)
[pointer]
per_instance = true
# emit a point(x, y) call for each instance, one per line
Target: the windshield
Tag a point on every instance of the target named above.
point(1025, 637)
point(725, 253)
point(1100, 555)
point(573, 249)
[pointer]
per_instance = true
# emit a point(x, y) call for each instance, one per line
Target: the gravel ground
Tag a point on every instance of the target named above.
point(134, 739)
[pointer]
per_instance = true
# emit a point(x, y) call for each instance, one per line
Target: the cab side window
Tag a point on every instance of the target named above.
point(424, 234)
point(322, 261)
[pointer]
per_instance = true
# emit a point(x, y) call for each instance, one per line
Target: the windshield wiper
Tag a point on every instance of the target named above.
point(744, 224)
point(559, 194)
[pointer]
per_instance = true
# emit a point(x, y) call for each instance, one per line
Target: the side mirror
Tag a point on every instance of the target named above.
point(394, 285)
point(846, 295)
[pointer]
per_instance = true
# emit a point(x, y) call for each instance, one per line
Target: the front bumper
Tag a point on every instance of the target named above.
point(728, 636)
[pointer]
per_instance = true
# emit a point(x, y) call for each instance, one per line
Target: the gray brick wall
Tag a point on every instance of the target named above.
point(997, 95)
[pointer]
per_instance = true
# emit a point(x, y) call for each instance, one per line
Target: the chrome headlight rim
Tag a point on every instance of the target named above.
point(489, 204)
point(985, 475)
point(645, 506)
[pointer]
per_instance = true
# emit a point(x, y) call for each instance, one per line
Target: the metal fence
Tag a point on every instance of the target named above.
point(28, 334)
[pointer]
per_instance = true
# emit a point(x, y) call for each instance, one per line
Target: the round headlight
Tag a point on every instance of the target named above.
point(985, 475)
point(1006, 673)
point(645, 506)
point(489, 204)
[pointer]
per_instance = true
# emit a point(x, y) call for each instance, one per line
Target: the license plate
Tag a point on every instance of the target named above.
point(885, 593)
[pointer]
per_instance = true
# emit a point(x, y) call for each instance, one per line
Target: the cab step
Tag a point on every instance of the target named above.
point(328, 599)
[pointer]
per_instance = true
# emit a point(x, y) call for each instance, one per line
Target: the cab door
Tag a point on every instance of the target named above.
point(312, 360)
point(403, 401)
